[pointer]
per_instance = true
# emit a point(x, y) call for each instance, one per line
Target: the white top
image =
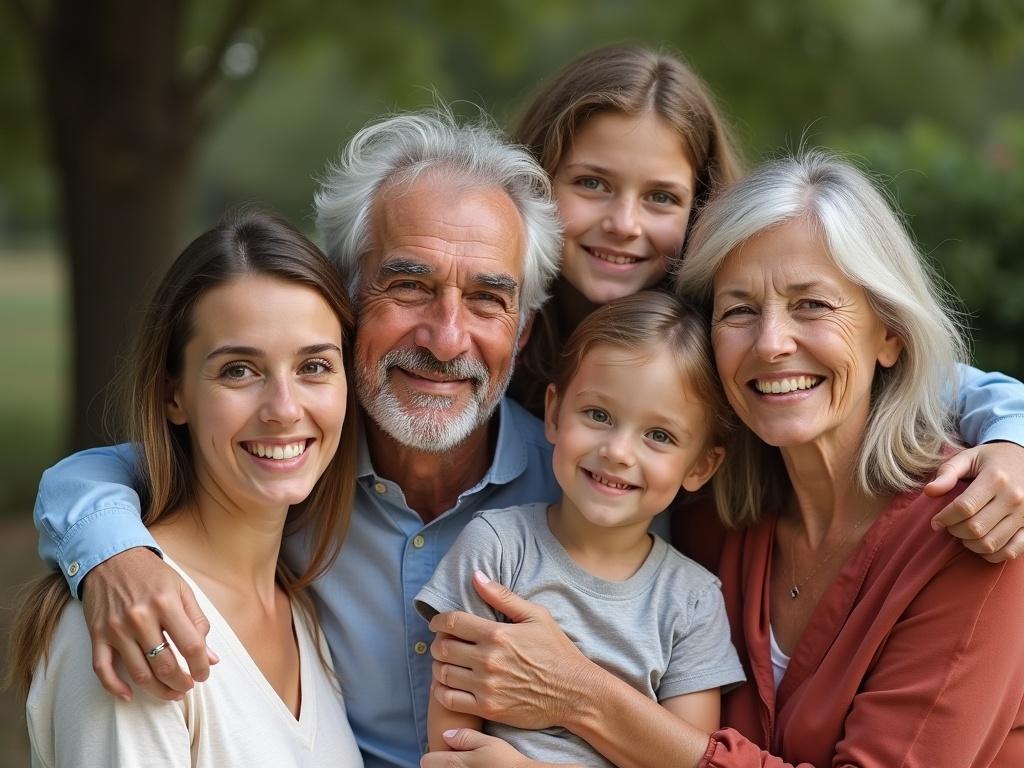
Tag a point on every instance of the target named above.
point(235, 718)
point(780, 661)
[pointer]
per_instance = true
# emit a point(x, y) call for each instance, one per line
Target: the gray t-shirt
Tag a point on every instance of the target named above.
point(663, 630)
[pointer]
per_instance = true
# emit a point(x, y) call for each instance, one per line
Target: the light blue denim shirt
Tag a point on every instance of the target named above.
point(379, 643)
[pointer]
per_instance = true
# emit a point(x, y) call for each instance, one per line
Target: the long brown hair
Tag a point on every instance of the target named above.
point(631, 81)
point(249, 243)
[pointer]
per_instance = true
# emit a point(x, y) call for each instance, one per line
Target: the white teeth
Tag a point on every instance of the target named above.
point(609, 483)
point(614, 258)
point(277, 452)
point(782, 386)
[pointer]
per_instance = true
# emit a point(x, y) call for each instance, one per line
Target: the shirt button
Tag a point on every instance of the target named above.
point(420, 647)
point(418, 541)
point(74, 568)
point(380, 488)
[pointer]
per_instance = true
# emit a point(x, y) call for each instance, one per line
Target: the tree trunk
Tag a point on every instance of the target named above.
point(123, 131)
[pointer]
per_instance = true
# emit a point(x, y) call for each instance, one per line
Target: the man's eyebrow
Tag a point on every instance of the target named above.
point(497, 281)
point(399, 266)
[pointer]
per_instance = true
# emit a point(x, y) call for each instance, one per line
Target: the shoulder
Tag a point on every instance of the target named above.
point(687, 575)
point(517, 521)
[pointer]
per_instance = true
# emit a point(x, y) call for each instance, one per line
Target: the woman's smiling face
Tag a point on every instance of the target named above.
point(796, 341)
point(262, 391)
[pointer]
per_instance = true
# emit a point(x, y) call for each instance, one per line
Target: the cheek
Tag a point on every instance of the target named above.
point(577, 215)
point(668, 236)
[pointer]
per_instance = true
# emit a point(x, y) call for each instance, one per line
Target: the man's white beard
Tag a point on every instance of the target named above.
point(433, 425)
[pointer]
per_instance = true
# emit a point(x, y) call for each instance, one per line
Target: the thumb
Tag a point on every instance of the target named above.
point(503, 599)
point(951, 470)
point(465, 739)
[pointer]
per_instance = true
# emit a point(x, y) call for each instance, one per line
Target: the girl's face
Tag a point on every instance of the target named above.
point(262, 391)
point(624, 189)
point(628, 433)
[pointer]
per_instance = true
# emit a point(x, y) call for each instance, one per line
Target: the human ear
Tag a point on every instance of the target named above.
point(524, 335)
point(703, 469)
point(892, 348)
point(173, 408)
point(550, 413)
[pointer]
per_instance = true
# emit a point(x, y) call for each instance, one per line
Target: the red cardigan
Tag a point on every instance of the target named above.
point(913, 657)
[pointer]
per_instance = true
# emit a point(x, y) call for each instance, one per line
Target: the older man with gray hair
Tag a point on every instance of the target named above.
point(449, 240)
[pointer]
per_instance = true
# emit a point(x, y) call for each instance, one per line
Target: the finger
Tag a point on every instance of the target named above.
point(464, 626)
point(463, 739)
point(454, 651)
point(142, 631)
point(187, 626)
point(456, 701)
point(962, 508)
point(103, 666)
point(1013, 549)
point(995, 539)
point(945, 478)
point(452, 676)
point(981, 523)
point(504, 600)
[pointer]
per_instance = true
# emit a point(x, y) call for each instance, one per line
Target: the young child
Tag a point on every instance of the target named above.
point(634, 146)
point(635, 414)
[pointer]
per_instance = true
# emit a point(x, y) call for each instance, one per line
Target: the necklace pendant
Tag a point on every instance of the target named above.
point(794, 592)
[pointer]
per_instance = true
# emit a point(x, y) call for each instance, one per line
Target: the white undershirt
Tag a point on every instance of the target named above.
point(780, 661)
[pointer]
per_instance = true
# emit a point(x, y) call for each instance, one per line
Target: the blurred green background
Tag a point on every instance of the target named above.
point(928, 94)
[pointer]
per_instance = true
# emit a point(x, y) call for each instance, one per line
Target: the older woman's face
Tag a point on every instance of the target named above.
point(796, 342)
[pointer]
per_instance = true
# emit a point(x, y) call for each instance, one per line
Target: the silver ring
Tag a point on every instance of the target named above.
point(156, 650)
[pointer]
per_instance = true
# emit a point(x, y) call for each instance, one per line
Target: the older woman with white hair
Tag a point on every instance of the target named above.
point(868, 638)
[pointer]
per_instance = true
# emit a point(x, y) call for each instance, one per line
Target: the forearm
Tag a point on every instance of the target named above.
point(628, 728)
point(990, 407)
point(87, 511)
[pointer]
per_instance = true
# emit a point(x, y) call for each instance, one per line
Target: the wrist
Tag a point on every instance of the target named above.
point(586, 700)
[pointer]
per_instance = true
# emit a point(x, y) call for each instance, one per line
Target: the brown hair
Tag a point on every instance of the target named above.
point(246, 244)
point(641, 322)
point(631, 81)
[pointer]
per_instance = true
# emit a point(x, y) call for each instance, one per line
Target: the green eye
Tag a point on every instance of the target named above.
point(596, 414)
point(660, 436)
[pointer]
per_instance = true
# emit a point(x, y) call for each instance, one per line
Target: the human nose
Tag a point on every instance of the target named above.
point(618, 448)
point(443, 330)
point(775, 336)
point(280, 403)
point(622, 218)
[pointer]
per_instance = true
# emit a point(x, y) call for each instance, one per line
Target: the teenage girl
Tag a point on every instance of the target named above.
point(634, 145)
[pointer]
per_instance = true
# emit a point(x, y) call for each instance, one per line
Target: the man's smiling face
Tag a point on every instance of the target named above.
point(439, 311)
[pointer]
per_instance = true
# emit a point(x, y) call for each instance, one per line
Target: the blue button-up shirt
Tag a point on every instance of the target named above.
point(379, 644)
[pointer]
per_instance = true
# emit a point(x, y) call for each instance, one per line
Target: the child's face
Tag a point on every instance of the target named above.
point(624, 189)
point(627, 436)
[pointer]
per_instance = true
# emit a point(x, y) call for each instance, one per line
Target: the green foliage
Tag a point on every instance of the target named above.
point(963, 203)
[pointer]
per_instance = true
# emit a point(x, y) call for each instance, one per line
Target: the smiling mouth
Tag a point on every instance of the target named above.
point(278, 451)
point(608, 482)
point(785, 386)
point(613, 258)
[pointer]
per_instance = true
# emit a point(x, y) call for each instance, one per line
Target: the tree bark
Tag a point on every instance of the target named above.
point(123, 130)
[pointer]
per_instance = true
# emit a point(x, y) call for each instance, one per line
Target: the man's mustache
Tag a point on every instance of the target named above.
point(420, 360)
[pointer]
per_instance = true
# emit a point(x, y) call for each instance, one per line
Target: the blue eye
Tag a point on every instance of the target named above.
point(591, 183)
point(660, 436)
point(662, 198)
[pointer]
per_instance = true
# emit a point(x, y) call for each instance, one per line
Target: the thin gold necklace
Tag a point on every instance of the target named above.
point(794, 591)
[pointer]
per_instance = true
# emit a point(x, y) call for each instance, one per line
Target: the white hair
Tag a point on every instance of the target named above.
point(399, 149)
point(910, 418)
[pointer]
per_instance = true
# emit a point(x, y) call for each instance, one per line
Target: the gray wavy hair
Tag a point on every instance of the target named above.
point(910, 418)
point(401, 147)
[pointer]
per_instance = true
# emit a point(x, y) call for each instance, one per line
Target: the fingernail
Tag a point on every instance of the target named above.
point(481, 577)
point(212, 655)
point(450, 733)
point(125, 698)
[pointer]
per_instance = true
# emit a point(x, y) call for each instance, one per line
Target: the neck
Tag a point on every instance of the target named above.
point(231, 545)
point(612, 553)
point(432, 482)
point(573, 307)
point(826, 491)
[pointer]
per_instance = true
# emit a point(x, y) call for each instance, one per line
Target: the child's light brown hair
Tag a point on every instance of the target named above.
point(642, 322)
